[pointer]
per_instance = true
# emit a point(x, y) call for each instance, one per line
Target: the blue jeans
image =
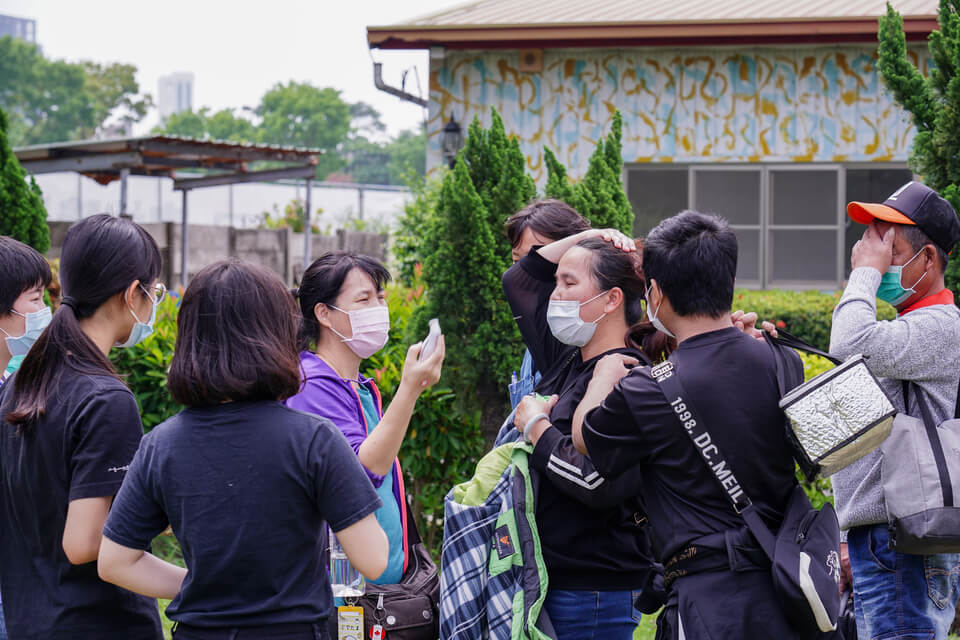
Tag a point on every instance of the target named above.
point(899, 595)
point(525, 383)
point(592, 615)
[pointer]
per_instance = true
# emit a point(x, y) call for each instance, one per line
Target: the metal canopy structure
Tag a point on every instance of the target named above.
point(223, 163)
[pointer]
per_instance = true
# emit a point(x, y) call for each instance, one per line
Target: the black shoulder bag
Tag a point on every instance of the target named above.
point(804, 553)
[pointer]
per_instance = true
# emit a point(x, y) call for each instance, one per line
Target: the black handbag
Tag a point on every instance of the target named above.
point(408, 610)
point(804, 553)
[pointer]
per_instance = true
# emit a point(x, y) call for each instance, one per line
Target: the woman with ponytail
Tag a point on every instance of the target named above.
point(575, 301)
point(69, 428)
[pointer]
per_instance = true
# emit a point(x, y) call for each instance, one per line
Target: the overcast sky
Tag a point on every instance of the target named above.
point(239, 49)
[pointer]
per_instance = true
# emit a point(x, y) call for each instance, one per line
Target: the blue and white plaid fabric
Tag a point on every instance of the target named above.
point(474, 606)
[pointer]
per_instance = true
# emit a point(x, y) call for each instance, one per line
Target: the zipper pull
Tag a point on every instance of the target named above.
point(380, 603)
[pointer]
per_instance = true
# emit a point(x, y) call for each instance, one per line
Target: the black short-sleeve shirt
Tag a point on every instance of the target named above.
point(248, 488)
point(731, 380)
point(81, 448)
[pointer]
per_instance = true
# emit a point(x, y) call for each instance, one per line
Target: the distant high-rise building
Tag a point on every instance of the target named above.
point(175, 93)
point(23, 28)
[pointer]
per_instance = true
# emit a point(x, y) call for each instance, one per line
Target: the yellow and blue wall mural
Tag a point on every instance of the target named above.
point(766, 104)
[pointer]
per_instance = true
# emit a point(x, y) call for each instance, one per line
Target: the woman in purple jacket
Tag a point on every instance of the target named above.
point(345, 320)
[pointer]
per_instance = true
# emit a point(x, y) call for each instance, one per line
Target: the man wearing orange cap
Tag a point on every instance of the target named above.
point(900, 259)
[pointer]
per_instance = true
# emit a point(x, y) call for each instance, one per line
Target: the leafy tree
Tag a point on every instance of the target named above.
point(408, 156)
point(365, 119)
point(301, 115)
point(46, 100)
point(599, 196)
point(395, 162)
point(222, 125)
point(114, 90)
point(186, 124)
point(366, 161)
point(933, 103)
point(53, 100)
point(22, 214)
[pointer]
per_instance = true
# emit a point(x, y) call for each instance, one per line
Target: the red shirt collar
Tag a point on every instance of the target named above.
point(944, 297)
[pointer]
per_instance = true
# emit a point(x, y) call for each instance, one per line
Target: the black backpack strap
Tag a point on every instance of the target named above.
point(788, 340)
point(685, 411)
point(930, 427)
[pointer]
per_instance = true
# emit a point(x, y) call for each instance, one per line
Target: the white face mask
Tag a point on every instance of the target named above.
point(563, 316)
point(652, 314)
point(370, 328)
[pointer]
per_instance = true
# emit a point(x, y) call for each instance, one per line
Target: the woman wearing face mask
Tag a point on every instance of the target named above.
point(23, 314)
point(345, 320)
point(575, 301)
point(69, 428)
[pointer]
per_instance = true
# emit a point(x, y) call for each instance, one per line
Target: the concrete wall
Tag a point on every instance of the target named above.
point(280, 250)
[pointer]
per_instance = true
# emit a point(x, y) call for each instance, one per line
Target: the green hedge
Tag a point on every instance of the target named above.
point(805, 314)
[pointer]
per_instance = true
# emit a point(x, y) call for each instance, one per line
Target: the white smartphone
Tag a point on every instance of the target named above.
point(430, 342)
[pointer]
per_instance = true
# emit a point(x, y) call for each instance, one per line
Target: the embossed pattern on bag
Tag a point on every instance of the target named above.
point(839, 416)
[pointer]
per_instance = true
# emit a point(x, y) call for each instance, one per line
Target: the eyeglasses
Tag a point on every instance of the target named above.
point(159, 292)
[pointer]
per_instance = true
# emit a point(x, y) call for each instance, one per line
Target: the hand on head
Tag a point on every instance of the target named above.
point(617, 239)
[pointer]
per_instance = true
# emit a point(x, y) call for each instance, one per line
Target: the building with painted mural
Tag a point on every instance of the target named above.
point(770, 113)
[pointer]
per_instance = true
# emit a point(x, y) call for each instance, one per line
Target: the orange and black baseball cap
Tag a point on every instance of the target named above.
point(917, 204)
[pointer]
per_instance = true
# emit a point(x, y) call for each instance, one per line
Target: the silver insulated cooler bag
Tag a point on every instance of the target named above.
point(837, 417)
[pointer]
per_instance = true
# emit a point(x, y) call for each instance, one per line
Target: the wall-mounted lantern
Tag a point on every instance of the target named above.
point(452, 141)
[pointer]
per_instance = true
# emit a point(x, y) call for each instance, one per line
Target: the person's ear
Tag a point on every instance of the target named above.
point(614, 300)
point(930, 254)
point(129, 295)
point(322, 313)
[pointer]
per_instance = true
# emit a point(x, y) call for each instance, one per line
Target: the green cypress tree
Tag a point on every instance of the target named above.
point(933, 103)
point(22, 214)
point(558, 183)
point(599, 196)
point(462, 272)
point(496, 168)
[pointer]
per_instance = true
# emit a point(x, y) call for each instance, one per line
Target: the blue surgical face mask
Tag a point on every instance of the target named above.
point(14, 363)
point(141, 330)
point(652, 314)
point(891, 283)
point(33, 325)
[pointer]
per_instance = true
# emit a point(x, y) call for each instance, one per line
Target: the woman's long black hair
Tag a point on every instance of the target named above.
point(101, 257)
point(612, 267)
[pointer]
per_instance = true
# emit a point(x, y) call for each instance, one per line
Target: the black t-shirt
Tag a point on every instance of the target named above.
point(81, 448)
point(731, 380)
point(587, 544)
point(248, 488)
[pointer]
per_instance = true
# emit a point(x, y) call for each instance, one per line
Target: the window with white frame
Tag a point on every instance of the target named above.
point(790, 220)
